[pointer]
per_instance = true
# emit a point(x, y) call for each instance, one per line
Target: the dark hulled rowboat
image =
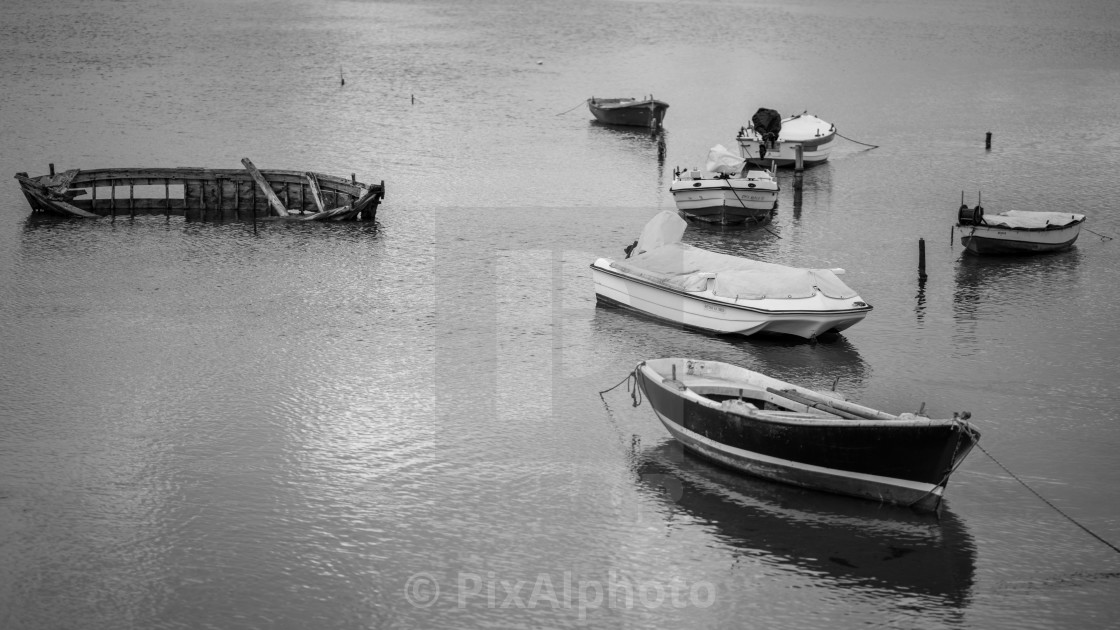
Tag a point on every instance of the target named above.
point(773, 429)
point(647, 112)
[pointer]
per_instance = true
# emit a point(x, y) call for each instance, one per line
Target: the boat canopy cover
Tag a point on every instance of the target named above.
point(724, 162)
point(1022, 219)
point(687, 268)
point(664, 228)
point(768, 123)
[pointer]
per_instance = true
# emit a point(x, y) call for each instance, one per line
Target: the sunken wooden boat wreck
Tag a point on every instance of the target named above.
point(202, 194)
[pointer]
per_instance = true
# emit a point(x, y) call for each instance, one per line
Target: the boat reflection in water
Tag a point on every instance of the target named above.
point(991, 291)
point(845, 542)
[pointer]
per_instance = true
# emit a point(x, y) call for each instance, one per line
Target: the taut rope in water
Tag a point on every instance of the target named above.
point(873, 146)
point(1103, 237)
point(565, 112)
point(1054, 507)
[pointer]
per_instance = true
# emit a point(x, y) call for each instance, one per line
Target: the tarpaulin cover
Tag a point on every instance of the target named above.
point(688, 268)
point(664, 228)
point(724, 162)
point(1032, 220)
point(768, 123)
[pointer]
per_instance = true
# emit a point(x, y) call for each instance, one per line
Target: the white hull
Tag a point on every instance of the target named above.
point(815, 137)
point(725, 200)
point(801, 317)
point(784, 153)
point(984, 239)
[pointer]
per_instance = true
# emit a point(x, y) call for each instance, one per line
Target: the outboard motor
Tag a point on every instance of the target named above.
point(768, 124)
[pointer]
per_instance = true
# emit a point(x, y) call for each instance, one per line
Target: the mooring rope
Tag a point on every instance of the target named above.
point(740, 200)
point(1103, 237)
point(873, 146)
point(628, 377)
point(1054, 507)
point(633, 389)
point(584, 102)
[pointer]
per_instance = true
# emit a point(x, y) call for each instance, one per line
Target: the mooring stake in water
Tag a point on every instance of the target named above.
point(922, 260)
point(988, 140)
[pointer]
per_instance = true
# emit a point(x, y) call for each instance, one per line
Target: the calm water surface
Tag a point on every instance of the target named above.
point(399, 425)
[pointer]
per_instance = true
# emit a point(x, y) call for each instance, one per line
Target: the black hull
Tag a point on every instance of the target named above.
point(906, 463)
point(638, 114)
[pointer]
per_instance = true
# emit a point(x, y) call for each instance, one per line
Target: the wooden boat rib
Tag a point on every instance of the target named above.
point(764, 427)
point(202, 193)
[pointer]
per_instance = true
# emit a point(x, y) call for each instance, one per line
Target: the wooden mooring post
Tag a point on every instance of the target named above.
point(988, 141)
point(922, 260)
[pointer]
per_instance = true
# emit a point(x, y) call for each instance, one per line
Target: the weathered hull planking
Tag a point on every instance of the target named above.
point(202, 193)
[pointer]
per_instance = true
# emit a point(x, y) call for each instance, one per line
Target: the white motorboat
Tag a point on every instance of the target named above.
point(720, 293)
point(1017, 231)
point(726, 192)
point(763, 139)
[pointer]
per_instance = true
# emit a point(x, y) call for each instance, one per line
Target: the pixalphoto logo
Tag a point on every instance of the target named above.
point(557, 591)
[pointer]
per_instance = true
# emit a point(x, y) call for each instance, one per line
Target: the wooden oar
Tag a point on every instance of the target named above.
point(836, 404)
point(813, 404)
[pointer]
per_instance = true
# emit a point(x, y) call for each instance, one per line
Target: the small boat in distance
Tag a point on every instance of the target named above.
point(768, 428)
point(1016, 231)
point(723, 294)
point(202, 193)
point(764, 138)
point(727, 192)
point(645, 112)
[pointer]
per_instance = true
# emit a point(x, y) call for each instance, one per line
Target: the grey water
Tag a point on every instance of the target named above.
point(400, 425)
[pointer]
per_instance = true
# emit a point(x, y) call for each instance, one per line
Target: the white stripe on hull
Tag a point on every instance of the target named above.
point(885, 489)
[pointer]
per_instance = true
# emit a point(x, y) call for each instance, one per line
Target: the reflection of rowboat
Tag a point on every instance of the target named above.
point(646, 112)
point(779, 431)
point(849, 544)
point(201, 193)
point(1017, 231)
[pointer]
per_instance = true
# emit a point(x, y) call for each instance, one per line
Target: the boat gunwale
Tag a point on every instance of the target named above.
point(1050, 228)
point(664, 381)
point(618, 103)
point(85, 177)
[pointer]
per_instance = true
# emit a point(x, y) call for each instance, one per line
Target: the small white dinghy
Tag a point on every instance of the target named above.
point(765, 138)
point(720, 293)
point(727, 192)
point(1017, 231)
